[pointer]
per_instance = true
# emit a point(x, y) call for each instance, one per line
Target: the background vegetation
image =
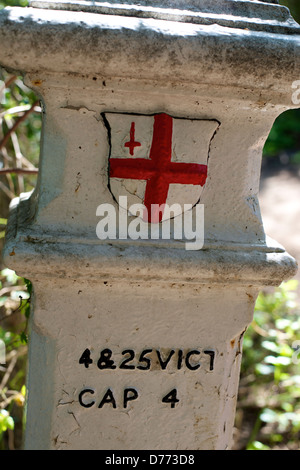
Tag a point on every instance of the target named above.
point(268, 413)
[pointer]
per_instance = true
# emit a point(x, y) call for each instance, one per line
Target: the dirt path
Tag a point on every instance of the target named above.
point(280, 207)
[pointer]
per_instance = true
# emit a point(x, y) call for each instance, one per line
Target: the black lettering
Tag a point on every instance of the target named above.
point(104, 361)
point(80, 398)
point(171, 398)
point(129, 395)
point(147, 360)
point(163, 364)
point(187, 360)
point(212, 358)
point(124, 364)
point(179, 361)
point(108, 398)
point(85, 358)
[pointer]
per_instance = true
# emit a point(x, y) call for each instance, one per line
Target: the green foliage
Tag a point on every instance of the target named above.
point(13, 3)
point(20, 127)
point(21, 148)
point(285, 136)
point(3, 223)
point(294, 7)
point(6, 421)
point(270, 369)
point(15, 297)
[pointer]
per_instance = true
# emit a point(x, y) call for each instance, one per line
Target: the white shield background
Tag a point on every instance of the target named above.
point(190, 144)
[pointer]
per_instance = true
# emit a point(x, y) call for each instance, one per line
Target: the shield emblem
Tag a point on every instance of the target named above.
point(158, 161)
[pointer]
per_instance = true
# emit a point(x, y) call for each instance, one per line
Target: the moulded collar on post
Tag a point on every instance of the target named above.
point(238, 42)
point(253, 15)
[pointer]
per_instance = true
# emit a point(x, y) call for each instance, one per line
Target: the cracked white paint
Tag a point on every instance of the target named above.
point(191, 140)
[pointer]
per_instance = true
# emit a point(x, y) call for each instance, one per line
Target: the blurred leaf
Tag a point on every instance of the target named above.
point(257, 446)
point(271, 346)
point(269, 416)
point(24, 338)
point(278, 360)
point(264, 369)
point(6, 421)
point(10, 276)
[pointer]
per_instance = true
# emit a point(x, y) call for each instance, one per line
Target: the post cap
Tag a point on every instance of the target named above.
point(259, 15)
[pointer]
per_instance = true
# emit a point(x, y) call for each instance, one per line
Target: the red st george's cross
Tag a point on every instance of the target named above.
point(158, 171)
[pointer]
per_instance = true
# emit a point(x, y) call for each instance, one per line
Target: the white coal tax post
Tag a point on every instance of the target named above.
point(136, 341)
